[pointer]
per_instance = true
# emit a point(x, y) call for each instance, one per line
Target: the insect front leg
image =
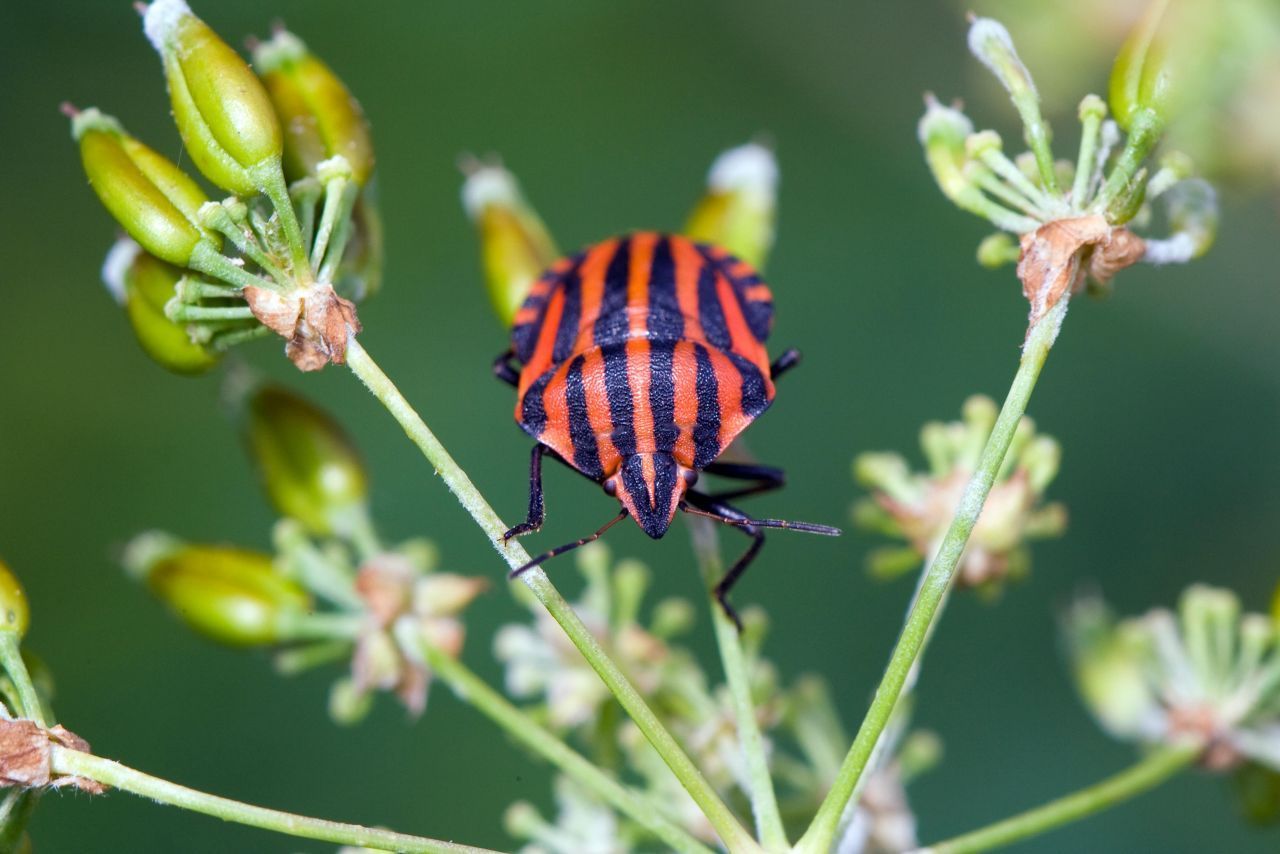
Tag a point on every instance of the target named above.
point(788, 360)
point(767, 478)
point(505, 371)
point(734, 517)
point(537, 510)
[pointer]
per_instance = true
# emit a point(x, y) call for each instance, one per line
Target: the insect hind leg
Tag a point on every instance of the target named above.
point(767, 478)
point(788, 360)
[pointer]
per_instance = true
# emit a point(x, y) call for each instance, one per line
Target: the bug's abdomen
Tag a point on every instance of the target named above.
point(643, 343)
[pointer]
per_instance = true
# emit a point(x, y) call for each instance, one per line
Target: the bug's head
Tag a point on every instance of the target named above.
point(650, 487)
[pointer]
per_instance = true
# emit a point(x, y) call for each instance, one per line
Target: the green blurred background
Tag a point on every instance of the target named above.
point(1166, 399)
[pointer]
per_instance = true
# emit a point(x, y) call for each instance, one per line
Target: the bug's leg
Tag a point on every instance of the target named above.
point(559, 550)
point(504, 370)
point(537, 510)
point(713, 508)
point(784, 363)
point(724, 513)
point(767, 478)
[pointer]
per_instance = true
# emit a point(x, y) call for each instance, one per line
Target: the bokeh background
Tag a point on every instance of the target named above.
point(1166, 399)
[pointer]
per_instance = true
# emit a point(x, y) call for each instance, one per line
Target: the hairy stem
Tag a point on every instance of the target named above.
point(731, 831)
point(764, 801)
point(473, 690)
point(1150, 772)
point(76, 763)
point(936, 581)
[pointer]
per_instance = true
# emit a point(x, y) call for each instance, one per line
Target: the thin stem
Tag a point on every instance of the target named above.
point(208, 260)
point(995, 160)
point(269, 178)
point(78, 764)
point(471, 689)
point(764, 800)
point(1090, 136)
point(341, 236)
point(936, 581)
point(731, 831)
point(1150, 772)
point(224, 341)
point(186, 313)
point(335, 192)
point(193, 290)
point(1144, 133)
point(321, 625)
point(16, 668)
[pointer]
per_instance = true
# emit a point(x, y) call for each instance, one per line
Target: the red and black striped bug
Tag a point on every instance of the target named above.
point(640, 359)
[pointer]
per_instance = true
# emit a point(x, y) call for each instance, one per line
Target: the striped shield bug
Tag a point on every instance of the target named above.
point(636, 363)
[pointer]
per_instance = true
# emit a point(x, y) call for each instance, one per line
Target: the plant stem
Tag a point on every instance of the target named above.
point(11, 661)
point(1150, 772)
point(76, 763)
point(764, 801)
point(936, 581)
point(731, 831)
point(471, 689)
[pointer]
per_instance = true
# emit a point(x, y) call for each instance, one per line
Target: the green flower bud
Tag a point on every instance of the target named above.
point(737, 211)
point(1142, 77)
point(515, 246)
point(230, 595)
point(155, 201)
point(310, 469)
point(144, 284)
point(998, 249)
point(943, 132)
point(15, 613)
point(319, 116)
point(222, 111)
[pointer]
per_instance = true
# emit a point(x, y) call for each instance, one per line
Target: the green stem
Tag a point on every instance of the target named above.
point(16, 668)
point(1150, 772)
point(936, 581)
point(731, 831)
point(1144, 133)
point(471, 689)
point(185, 313)
point(764, 800)
point(208, 260)
point(269, 178)
point(78, 764)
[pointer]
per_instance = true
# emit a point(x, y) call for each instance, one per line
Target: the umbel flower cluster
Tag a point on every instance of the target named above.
point(293, 246)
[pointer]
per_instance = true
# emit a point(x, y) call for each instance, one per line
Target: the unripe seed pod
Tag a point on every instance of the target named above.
point(15, 613)
point(230, 595)
point(309, 467)
point(319, 116)
point(515, 246)
point(154, 200)
point(1142, 77)
point(737, 211)
point(144, 284)
point(221, 109)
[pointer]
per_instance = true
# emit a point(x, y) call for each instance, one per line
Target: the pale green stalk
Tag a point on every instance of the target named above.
point(11, 661)
point(731, 831)
point(473, 690)
point(937, 580)
point(65, 761)
point(764, 801)
point(1151, 771)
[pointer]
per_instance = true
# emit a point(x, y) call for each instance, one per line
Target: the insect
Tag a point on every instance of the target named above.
point(636, 362)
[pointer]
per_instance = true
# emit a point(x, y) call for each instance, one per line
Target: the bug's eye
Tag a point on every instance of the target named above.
point(690, 476)
point(611, 487)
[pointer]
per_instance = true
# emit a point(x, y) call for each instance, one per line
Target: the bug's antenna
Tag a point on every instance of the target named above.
point(804, 527)
point(568, 547)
